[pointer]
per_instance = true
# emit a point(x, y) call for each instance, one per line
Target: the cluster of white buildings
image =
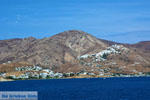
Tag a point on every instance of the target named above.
point(31, 72)
point(114, 49)
point(2, 74)
point(102, 55)
point(29, 68)
point(37, 72)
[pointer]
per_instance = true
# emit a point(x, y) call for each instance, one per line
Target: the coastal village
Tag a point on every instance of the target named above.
point(89, 60)
point(36, 72)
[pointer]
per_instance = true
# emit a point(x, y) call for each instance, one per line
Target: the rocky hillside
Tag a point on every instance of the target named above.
point(49, 52)
point(75, 51)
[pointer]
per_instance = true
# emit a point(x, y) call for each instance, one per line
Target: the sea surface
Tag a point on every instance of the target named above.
point(133, 88)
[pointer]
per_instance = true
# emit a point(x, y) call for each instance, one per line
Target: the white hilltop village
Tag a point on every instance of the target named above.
point(114, 49)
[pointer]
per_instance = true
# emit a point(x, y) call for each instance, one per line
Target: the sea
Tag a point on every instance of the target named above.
point(116, 88)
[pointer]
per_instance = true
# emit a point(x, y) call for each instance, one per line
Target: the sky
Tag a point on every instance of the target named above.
point(115, 20)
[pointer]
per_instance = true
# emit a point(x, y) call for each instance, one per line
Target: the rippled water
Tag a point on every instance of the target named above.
point(137, 88)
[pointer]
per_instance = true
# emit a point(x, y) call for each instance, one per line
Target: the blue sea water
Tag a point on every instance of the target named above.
point(134, 88)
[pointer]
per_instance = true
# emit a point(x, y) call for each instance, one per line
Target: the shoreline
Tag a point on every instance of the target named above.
point(5, 80)
point(9, 80)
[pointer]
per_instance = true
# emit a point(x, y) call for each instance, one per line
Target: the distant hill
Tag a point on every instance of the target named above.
point(145, 45)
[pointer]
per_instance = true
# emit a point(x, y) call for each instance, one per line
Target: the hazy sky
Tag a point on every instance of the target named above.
point(108, 19)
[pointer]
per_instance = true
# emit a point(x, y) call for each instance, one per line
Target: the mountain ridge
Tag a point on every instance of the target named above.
point(63, 49)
